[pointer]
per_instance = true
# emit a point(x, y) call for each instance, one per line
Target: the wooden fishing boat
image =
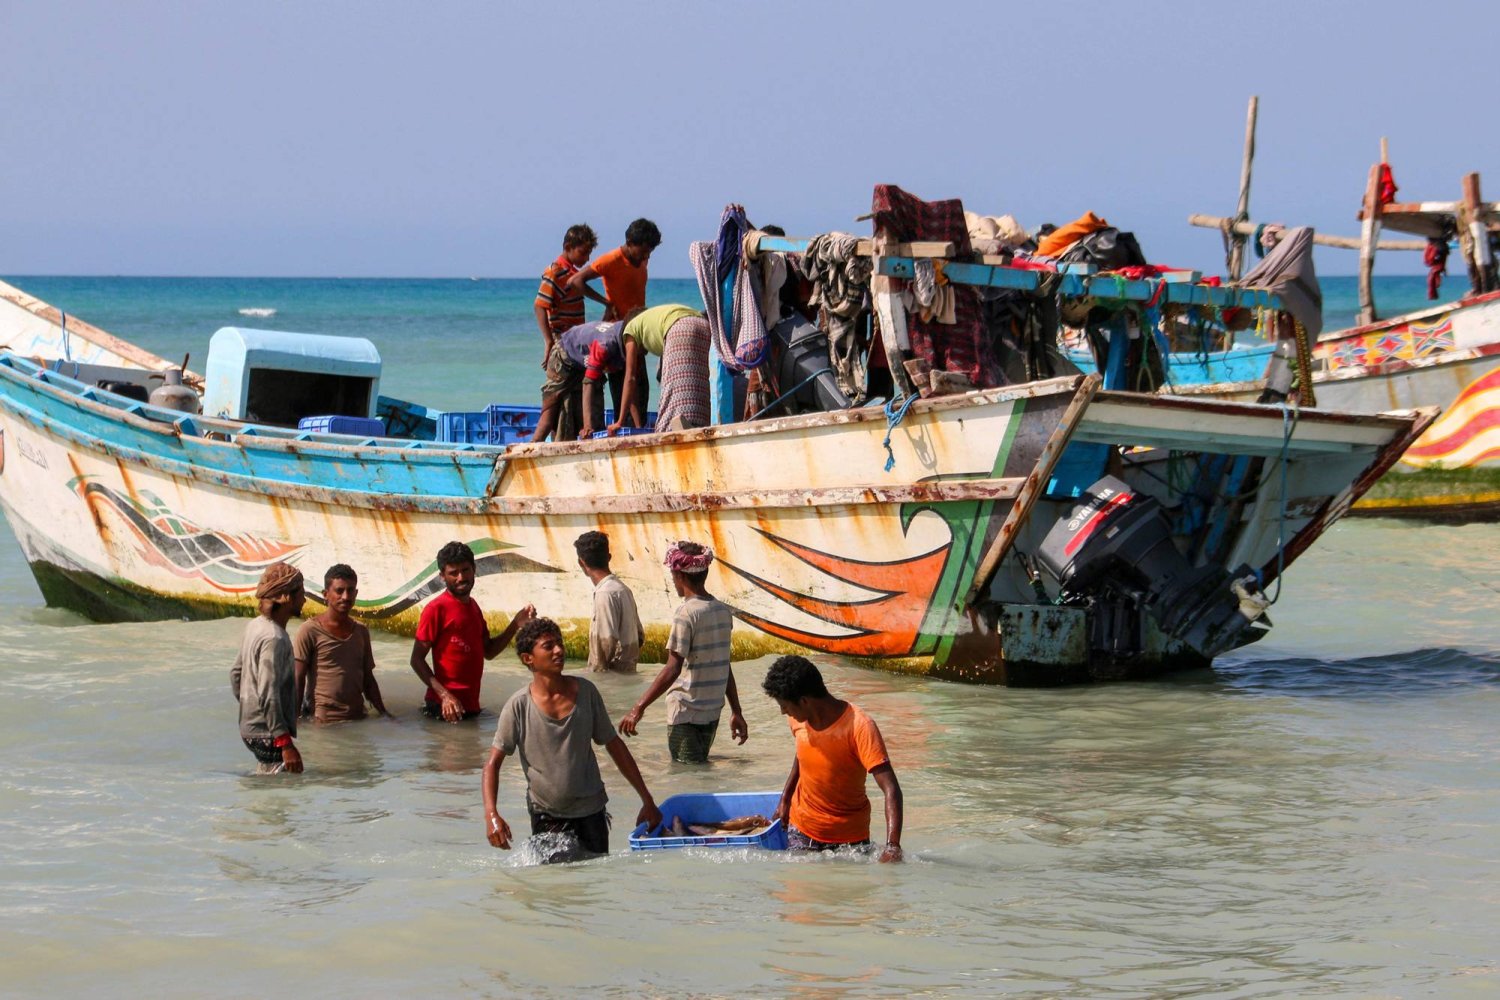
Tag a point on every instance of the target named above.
point(1446, 355)
point(958, 538)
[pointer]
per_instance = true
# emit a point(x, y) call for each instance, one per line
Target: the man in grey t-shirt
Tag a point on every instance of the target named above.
point(551, 724)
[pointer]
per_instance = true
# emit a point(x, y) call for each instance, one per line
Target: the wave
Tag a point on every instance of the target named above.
point(1419, 670)
point(257, 311)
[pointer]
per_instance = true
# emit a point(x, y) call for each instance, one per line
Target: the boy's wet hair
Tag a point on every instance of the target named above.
point(643, 233)
point(533, 630)
point(455, 554)
point(339, 571)
point(593, 549)
point(793, 677)
point(578, 236)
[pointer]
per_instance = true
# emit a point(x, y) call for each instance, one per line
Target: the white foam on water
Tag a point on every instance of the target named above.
point(257, 311)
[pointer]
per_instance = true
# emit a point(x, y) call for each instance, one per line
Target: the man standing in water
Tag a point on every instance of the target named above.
point(615, 634)
point(263, 679)
point(824, 805)
point(334, 657)
point(453, 629)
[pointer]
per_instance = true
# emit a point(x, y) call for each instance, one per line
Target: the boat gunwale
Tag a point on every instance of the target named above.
point(1346, 373)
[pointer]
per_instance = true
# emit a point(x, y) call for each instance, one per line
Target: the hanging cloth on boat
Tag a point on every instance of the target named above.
point(1435, 256)
point(773, 275)
point(739, 331)
point(963, 346)
point(839, 276)
point(1288, 271)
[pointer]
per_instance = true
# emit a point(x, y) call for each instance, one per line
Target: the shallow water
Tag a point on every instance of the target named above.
point(1317, 816)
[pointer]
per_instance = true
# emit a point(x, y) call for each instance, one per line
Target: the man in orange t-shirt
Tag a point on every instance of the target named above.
point(824, 805)
point(623, 271)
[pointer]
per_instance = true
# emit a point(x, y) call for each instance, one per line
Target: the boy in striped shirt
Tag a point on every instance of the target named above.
point(559, 307)
point(697, 679)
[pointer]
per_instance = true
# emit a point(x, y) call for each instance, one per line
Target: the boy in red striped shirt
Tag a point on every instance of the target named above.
point(559, 307)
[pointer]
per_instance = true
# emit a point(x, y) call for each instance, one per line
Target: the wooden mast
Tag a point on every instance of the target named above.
point(1473, 225)
point(1236, 262)
point(1369, 237)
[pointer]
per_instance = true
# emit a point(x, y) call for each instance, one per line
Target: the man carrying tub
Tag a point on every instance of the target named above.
point(824, 805)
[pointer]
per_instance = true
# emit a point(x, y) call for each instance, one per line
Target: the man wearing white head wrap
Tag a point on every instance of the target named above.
point(697, 679)
point(263, 677)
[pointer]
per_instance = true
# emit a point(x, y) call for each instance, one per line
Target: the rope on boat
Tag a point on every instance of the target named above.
point(894, 414)
point(789, 393)
point(1288, 425)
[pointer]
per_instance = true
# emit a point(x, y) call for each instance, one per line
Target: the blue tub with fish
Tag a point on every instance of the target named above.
point(706, 812)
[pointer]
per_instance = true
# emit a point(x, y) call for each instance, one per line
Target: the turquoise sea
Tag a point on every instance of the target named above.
point(452, 343)
point(1317, 816)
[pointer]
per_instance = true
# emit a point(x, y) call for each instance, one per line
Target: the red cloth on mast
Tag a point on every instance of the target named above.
point(1386, 192)
point(1435, 256)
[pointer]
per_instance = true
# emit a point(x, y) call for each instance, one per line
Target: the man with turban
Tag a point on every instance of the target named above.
point(263, 677)
point(697, 679)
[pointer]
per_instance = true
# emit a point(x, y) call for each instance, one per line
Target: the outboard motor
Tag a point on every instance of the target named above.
point(804, 359)
point(1114, 551)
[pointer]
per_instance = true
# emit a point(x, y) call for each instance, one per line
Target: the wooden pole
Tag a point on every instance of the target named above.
point(1345, 242)
point(1369, 234)
point(1242, 212)
point(1481, 261)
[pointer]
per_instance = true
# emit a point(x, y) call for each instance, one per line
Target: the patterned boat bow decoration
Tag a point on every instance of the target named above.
point(228, 562)
point(1467, 434)
point(886, 623)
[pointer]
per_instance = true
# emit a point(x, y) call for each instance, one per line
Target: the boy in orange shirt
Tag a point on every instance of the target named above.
point(824, 805)
point(623, 271)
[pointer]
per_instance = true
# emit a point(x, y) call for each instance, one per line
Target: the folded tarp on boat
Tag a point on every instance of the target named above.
point(963, 346)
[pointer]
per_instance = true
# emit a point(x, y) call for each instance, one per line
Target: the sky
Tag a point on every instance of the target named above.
point(461, 139)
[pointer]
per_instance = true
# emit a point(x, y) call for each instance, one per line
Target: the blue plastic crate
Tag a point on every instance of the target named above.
point(713, 808)
point(503, 414)
point(340, 424)
point(463, 427)
point(609, 416)
point(504, 434)
point(626, 431)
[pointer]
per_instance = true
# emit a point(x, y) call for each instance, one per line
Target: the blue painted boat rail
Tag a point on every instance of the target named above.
point(426, 474)
point(1075, 281)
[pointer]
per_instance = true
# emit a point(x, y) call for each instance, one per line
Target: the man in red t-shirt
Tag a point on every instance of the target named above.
point(453, 627)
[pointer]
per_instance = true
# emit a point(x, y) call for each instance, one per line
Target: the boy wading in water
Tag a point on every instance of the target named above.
point(453, 628)
point(550, 724)
point(824, 805)
point(263, 678)
point(335, 661)
point(697, 672)
point(615, 635)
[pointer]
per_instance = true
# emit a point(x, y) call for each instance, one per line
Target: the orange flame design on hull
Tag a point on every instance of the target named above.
point(886, 624)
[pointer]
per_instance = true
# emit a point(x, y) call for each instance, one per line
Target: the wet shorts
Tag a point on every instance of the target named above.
point(267, 755)
point(564, 375)
point(571, 838)
point(688, 742)
point(796, 840)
